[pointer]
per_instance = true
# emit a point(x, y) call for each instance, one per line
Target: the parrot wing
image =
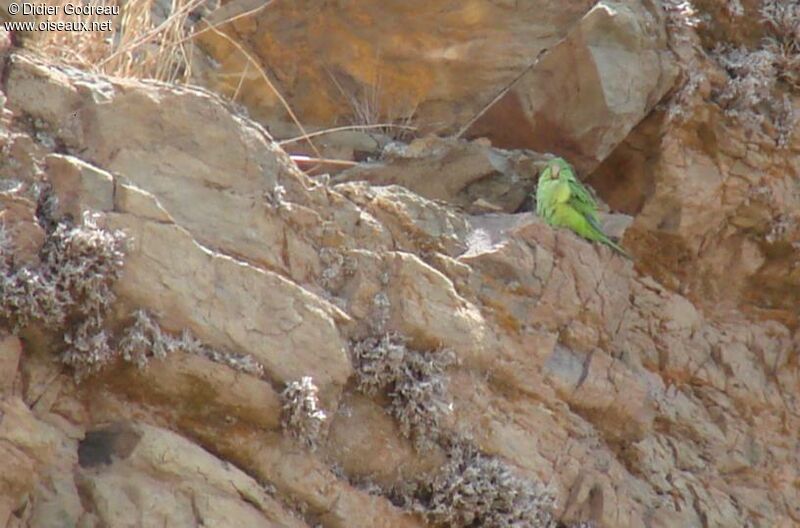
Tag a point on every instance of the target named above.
point(544, 192)
point(581, 199)
point(585, 204)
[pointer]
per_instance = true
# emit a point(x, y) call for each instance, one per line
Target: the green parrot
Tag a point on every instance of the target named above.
point(564, 202)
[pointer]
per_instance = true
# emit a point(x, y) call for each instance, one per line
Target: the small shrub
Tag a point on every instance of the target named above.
point(680, 13)
point(241, 362)
point(753, 78)
point(143, 340)
point(338, 266)
point(786, 58)
point(81, 263)
point(756, 94)
point(414, 381)
point(473, 489)
point(275, 198)
point(751, 96)
point(302, 416)
point(782, 19)
point(69, 291)
point(381, 312)
point(734, 8)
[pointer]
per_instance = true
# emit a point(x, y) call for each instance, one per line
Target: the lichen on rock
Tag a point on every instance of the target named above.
point(414, 381)
point(473, 489)
point(303, 417)
point(70, 290)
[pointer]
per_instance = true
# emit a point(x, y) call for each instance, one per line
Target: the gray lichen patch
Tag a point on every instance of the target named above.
point(69, 291)
point(415, 382)
point(303, 417)
point(473, 489)
point(144, 340)
point(237, 361)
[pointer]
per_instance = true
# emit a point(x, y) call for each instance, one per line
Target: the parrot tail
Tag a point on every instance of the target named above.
point(602, 237)
point(616, 247)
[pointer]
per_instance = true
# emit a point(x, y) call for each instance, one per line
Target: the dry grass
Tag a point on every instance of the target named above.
point(369, 112)
point(142, 45)
point(139, 45)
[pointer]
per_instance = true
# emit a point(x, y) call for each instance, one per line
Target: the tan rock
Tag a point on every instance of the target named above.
point(589, 90)
point(434, 62)
point(79, 186)
point(10, 352)
point(18, 218)
point(310, 482)
point(360, 426)
point(280, 324)
point(628, 387)
point(415, 223)
point(471, 175)
point(139, 474)
point(196, 388)
point(33, 451)
point(36, 439)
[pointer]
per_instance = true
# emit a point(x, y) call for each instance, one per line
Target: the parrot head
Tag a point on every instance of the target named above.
point(554, 168)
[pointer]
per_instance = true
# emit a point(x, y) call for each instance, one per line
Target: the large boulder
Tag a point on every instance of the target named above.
point(586, 93)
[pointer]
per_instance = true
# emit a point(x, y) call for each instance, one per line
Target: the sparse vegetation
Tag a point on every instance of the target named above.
point(757, 95)
point(734, 8)
point(782, 18)
point(144, 340)
point(753, 96)
point(681, 19)
point(241, 362)
point(338, 266)
point(747, 96)
point(473, 489)
point(381, 312)
point(303, 417)
point(680, 13)
point(275, 198)
point(142, 42)
point(369, 111)
point(69, 291)
point(414, 381)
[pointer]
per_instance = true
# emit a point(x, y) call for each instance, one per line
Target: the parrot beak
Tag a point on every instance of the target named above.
point(554, 170)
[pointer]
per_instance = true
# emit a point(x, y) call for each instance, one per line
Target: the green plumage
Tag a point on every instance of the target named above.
point(564, 202)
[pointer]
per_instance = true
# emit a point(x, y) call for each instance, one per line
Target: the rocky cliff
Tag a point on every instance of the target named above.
point(197, 333)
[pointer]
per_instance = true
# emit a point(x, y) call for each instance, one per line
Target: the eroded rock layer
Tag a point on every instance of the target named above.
point(279, 350)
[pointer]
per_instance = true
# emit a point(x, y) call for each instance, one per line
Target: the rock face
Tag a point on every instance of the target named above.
point(586, 92)
point(577, 76)
point(424, 303)
point(569, 78)
point(473, 176)
point(355, 61)
point(713, 185)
